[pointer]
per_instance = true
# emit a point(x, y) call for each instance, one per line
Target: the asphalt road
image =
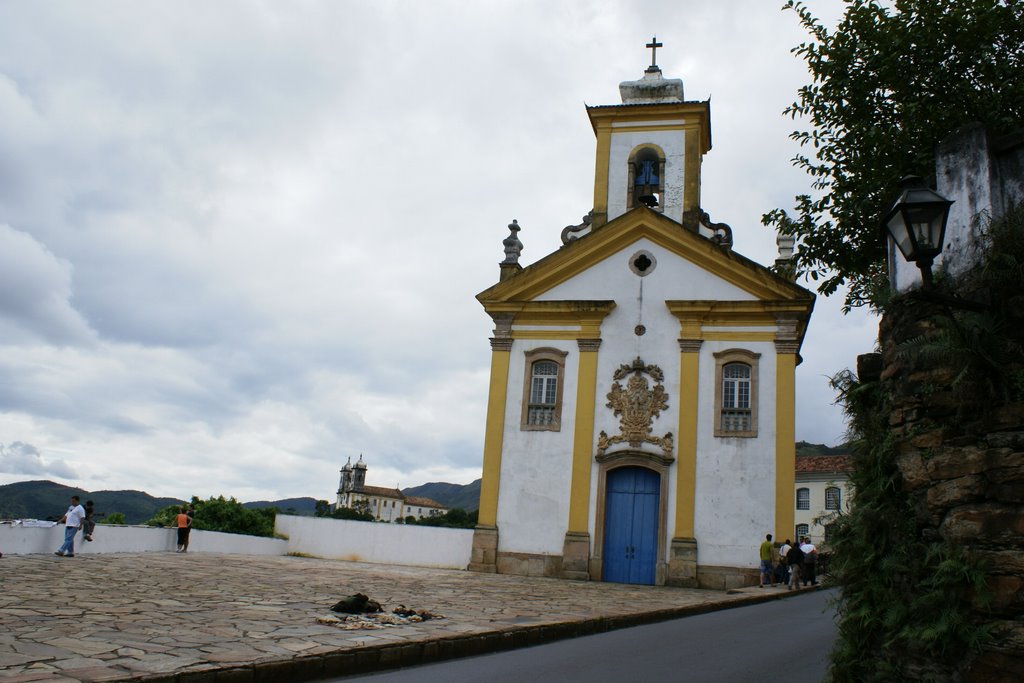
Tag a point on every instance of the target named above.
point(780, 640)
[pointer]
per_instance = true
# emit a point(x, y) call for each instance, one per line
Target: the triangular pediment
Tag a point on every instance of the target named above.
point(750, 279)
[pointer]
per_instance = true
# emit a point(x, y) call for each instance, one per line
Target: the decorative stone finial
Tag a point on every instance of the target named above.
point(786, 244)
point(785, 265)
point(513, 247)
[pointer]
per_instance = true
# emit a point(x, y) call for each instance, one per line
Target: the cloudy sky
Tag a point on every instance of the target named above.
point(240, 241)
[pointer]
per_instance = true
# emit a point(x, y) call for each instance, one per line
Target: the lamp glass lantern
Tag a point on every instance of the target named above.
point(917, 224)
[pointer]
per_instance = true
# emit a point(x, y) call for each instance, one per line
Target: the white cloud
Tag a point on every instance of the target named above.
point(19, 458)
point(36, 293)
point(240, 243)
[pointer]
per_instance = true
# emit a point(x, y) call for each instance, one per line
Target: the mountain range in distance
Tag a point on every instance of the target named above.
point(47, 499)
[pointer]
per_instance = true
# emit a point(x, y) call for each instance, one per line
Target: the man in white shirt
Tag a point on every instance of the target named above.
point(72, 519)
point(810, 561)
point(783, 550)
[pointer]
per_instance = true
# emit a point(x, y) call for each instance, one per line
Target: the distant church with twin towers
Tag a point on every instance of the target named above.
point(386, 505)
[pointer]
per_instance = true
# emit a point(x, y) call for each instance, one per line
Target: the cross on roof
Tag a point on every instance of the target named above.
point(654, 45)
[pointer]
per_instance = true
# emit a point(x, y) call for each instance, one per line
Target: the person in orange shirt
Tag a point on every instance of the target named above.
point(190, 510)
point(184, 524)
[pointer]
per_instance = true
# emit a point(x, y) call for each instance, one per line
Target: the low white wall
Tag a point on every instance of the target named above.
point(22, 540)
point(401, 544)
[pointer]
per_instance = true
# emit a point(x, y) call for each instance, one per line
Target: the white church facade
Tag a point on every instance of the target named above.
point(386, 505)
point(640, 420)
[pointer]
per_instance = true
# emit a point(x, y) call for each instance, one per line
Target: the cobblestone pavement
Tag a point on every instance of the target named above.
point(163, 617)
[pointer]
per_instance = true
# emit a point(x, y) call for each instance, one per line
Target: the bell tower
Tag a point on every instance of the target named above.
point(359, 474)
point(650, 148)
point(344, 485)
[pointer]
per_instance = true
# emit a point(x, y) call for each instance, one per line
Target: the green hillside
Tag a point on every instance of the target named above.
point(804, 448)
point(47, 499)
point(287, 506)
point(465, 496)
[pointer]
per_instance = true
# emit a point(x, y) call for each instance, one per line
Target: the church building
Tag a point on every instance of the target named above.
point(386, 505)
point(640, 419)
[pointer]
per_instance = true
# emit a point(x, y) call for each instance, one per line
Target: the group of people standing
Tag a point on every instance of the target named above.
point(793, 564)
point(78, 517)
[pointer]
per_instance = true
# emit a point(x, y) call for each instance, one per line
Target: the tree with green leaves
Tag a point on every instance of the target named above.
point(358, 513)
point(888, 83)
point(455, 518)
point(222, 514)
point(114, 518)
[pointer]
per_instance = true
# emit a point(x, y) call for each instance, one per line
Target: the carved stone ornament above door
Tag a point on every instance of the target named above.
point(636, 405)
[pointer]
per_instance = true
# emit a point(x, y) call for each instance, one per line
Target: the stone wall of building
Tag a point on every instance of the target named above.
point(984, 176)
point(960, 445)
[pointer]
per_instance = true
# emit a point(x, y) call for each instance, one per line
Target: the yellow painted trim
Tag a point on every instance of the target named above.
point(539, 312)
point(493, 437)
point(601, 166)
point(785, 444)
point(695, 316)
point(686, 465)
point(696, 114)
point(586, 316)
point(731, 311)
point(691, 170)
point(618, 235)
point(549, 334)
point(651, 128)
point(738, 336)
point(583, 442)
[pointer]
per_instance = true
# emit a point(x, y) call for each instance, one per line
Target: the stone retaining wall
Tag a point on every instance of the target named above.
point(961, 457)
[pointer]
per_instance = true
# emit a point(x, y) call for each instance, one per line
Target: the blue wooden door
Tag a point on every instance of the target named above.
point(631, 525)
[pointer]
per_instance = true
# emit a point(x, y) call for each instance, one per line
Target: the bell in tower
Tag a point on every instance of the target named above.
point(645, 188)
point(646, 168)
point(649, 149)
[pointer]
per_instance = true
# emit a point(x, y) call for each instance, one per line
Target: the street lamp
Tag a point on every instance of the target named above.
point(917, 223)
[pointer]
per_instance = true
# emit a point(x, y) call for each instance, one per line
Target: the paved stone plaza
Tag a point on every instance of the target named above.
point(211, 618)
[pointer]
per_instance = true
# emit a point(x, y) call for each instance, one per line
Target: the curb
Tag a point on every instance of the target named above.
point(375, 658)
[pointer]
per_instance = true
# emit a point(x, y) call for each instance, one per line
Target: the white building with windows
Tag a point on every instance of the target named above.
point(823, 491)
point(386, 505)
point(640, 420)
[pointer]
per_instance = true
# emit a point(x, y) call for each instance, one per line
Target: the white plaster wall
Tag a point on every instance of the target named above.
point(735, 486)
point(965, 180)
point(674, 278)
point(20, 540)
point(377, 542)
point(983, 185)
point(536, 466)
point(672, 142)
